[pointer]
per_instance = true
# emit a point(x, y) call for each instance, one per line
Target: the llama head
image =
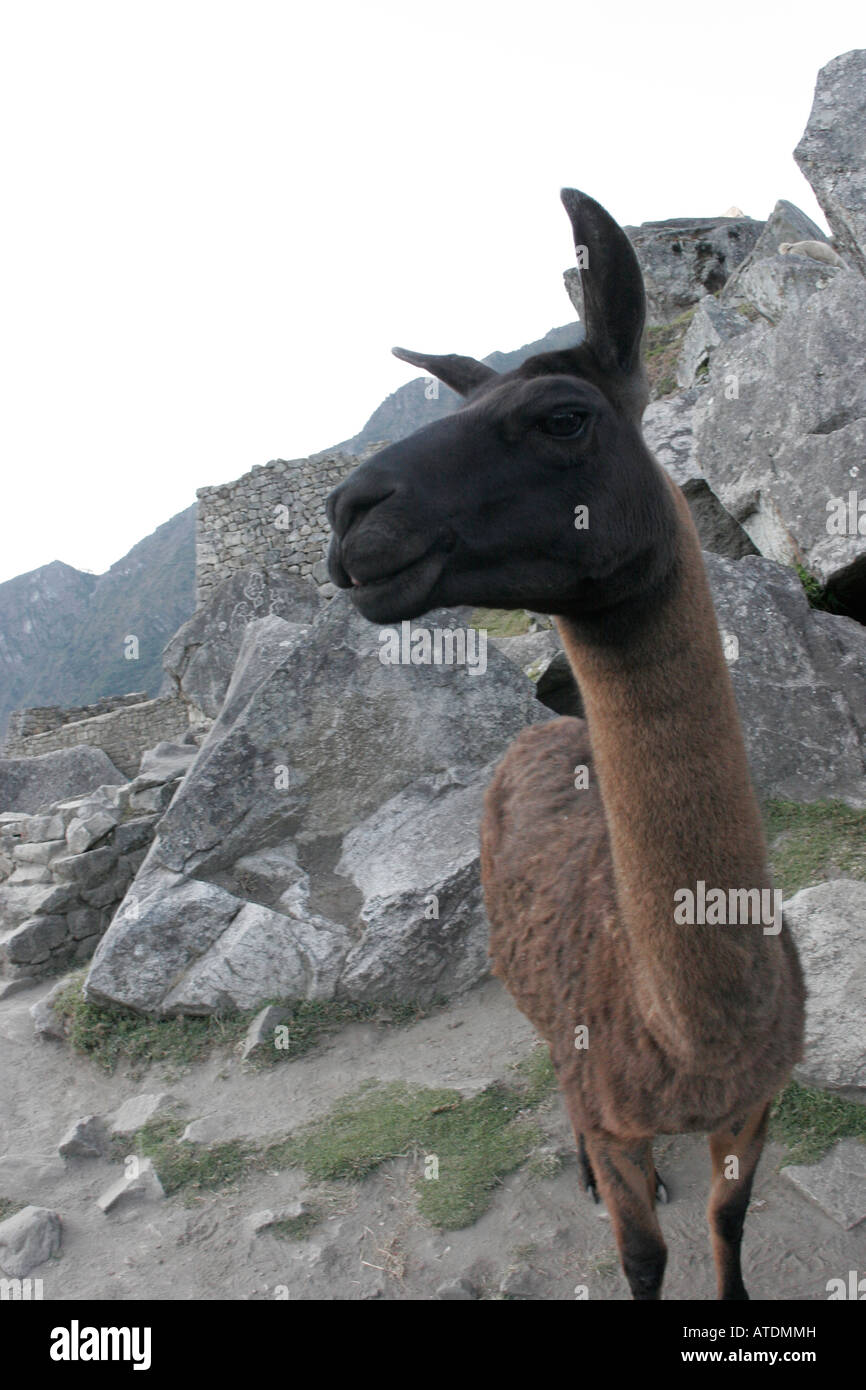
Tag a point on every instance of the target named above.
point(536, 493)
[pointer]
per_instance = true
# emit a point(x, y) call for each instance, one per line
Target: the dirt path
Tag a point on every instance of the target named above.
point(541, 1235)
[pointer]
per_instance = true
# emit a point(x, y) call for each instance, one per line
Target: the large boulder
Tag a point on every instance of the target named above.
point(32, 784)
point(668, 427)
point(781, 436)
point(685, 258)
point(827, 923)
point(201, 655)
point(832, 152)
point(325, 840)
point(799, 676)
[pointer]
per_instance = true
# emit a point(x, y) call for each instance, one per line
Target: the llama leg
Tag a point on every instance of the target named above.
point(587, 1176)
point(735, 1154)
point(626, 1179)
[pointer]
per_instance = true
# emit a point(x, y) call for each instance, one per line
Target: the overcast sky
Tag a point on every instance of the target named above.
point(218, 217)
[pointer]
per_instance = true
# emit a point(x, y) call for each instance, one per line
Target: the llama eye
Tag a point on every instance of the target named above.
point(564, 424)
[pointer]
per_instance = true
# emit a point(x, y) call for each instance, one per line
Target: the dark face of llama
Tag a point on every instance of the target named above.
point(538, 492)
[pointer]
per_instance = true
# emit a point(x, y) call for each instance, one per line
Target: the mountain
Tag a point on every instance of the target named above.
point(62, 631)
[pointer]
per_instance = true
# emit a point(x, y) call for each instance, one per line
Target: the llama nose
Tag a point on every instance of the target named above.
point(354, 497)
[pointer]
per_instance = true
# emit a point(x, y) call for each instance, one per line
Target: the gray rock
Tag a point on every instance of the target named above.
point(712, 323)
point(32, 784)
point(167, 762)
point(38, 828)
point(201, 656)
point(668, 426)
point(832, 152)
point(837, 1183)
point(85, 870)
point(457, 1291)
point(45, 1021)
point(521, 1283)
point(775, 286)
point(83, 832)
point(28, 1239)
point(786, 223)
point(86, 1138)
point(261, 1038)
point(781, 433)
point(140, 1183)
point(134, 1113)
point(41, 852)
point(684, 258)
point(827, 922)
point(531, 651)
point(799, 676)
point(312, 740)
point(33, 941)
point(259, 1221)
point(18, 902)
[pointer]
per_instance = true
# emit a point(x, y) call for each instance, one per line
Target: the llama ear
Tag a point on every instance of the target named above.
point(614, 300)
point(462, 374)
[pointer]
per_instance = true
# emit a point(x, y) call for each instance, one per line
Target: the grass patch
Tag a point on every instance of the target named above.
point(109, 1034)
point(501, 622)
point(811, 843)
point(661, 346)
point(809, 1122)
point(296, 1227)
point(8, 1207)
point(476, 1142)
point(184, 1165)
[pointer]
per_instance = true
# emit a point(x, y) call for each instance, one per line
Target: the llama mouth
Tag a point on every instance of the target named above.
point(402, 593)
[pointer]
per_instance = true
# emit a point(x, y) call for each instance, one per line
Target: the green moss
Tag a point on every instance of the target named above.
point(8, 1207)
point(296, 1227)
point(501, 622)
point(811, 843)
point(809, 1122)
point(818, 595)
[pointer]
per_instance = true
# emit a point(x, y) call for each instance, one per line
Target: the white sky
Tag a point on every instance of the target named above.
point(218, 217)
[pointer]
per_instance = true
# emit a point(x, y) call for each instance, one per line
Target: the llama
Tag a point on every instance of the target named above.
point(539, 493)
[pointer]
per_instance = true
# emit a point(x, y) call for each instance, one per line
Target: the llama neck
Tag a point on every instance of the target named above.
point(671, 764)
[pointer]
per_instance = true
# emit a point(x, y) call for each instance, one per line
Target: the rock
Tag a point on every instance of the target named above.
point(522, 1283)
point(41, 852)
point(134, 1113)
point(832, 152)
point(259, 1221)
point(201, 656)
point(684, 258)
point(85, 870)
point(167, 762)
point(668, 427)
point(33, 940)
point(712, 323)
point(45, 1021)
point(799, 676)
point(827, 923)
point(530, 650)
point(261, 1034)
point(86, 1138)
point(82, 833)
point(781, 435)
point(140, 1183)
point(776, 286)
point(39, 828)
point(18, 902)
point(786, 223)
point(28, 1239)
point(457, 1291)
point(557, 689)
point(30, 784)
point(314, 739)
point(837, 1183)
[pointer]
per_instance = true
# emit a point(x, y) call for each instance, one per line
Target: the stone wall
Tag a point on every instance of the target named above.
point(273, 516)
point(24, 723)
point(123, 733)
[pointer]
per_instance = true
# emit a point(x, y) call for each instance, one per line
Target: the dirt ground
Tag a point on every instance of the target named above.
point(541, 1237)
